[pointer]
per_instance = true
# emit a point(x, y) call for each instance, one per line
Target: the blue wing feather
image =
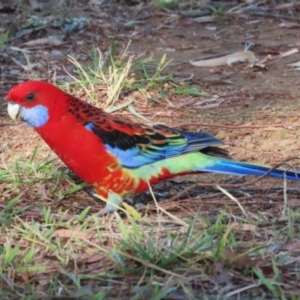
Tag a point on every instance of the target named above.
point(147, 145)
point(136, 145)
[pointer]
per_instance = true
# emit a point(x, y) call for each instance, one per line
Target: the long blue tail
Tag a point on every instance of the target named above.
point(231, 167)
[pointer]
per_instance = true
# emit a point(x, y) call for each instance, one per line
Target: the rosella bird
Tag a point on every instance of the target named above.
point(116, 156)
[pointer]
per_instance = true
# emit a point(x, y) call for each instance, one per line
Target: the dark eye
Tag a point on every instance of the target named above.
point(30, 97)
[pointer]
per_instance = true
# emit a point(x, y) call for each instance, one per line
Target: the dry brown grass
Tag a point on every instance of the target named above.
point(236, 243)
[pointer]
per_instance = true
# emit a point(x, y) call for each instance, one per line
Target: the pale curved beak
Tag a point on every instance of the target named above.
point(13, 110)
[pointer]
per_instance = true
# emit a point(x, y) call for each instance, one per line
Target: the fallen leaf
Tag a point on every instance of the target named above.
point(42, 191)
point(289, 25)
point(244, 227)
point(51, 40)
point(240, 56)
point(67, 233)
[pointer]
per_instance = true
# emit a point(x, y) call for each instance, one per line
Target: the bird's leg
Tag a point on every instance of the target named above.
point(113, 201)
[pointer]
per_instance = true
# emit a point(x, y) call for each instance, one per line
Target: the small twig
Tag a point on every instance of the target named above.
point(242, 289)
point(232, 198)
point(11, 286)
point(284, 197)
point(270, 15)
point(158, 207)
point(237, 126)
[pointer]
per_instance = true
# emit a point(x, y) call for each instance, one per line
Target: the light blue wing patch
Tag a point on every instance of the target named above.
point(134, 153)
point(131, 158)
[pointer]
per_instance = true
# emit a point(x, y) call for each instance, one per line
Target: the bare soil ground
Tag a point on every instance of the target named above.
point(256, 112)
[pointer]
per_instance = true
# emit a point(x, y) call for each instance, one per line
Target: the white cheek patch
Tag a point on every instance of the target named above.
point(36, 116)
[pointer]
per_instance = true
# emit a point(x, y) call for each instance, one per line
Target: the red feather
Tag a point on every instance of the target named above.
point(116, 156)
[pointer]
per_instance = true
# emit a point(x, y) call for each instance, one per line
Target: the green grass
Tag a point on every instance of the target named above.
point(109, 74)
point(170, 4)
point(216, 11)
point(57, 252)
point(112, 73)
point(220, 246)
point(3, 39)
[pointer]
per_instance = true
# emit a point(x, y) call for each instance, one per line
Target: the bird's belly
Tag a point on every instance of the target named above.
point(88, 158)
point(83, 152)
